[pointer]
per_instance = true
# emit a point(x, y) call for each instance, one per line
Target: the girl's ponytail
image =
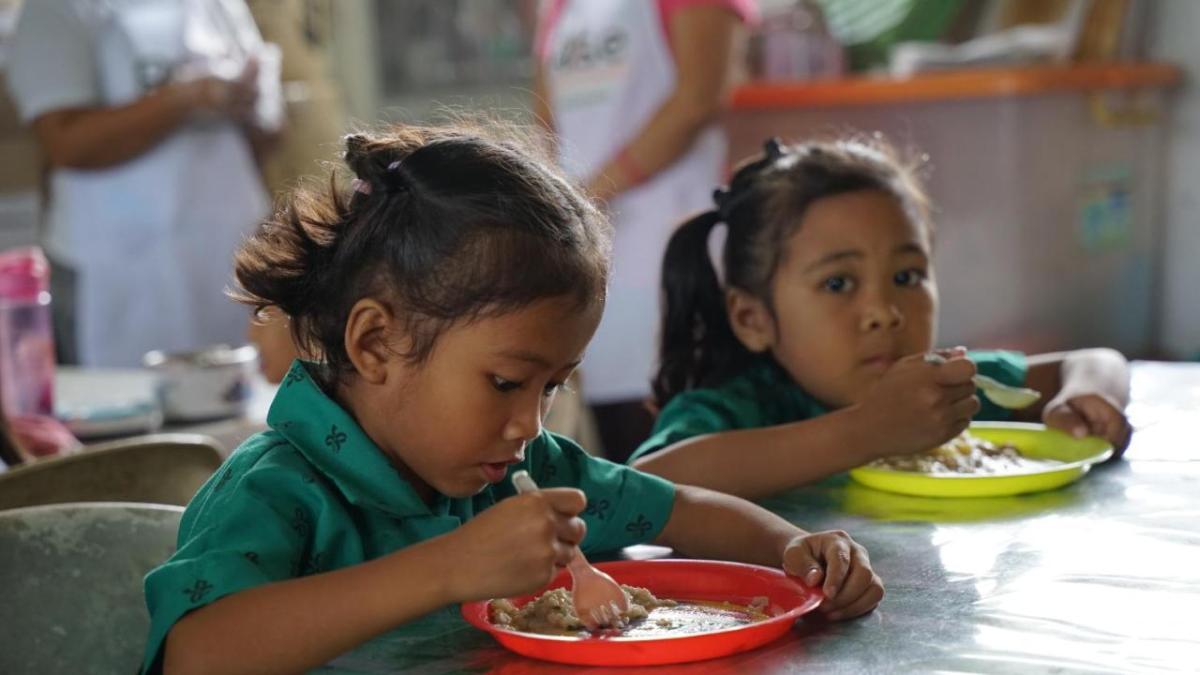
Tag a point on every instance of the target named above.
point(697, 341)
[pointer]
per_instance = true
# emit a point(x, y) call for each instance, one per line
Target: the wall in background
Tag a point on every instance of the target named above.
point(355, 65)
point(412, 61)
point(1174, 40)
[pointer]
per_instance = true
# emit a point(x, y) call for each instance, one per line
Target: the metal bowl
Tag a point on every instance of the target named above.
point(207, 384)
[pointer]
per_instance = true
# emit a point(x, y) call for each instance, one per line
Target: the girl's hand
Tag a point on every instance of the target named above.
point(840, 566)
point(917, 406)
point(516, 546)
point(1090, 414)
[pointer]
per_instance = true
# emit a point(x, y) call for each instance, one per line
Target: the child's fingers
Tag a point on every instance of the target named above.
point(966, 408)
point(1122, 443)
point(567, 501)
point(1063, 416)
point(959, 392)
point(1103, 419)
point(951, 352)
point(563, 553)
point(836, 554)
point(954, 372)
point(570, 530)
point(858, 580)
point(801, 561)
point(869, 599)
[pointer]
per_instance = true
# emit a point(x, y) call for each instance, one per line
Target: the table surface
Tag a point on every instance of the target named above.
point(85, 388)
point(1101, 576)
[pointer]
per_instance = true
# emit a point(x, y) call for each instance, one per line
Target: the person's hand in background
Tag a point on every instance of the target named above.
point(220, 97)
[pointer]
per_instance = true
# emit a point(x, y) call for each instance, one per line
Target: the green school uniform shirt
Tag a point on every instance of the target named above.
point(765, 395)
point(315, 494)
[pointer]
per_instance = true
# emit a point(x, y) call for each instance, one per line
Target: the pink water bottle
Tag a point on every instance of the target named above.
point(26, 333)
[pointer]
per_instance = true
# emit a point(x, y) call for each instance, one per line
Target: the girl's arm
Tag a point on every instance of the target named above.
point(703, 40)
point(754, 463)
point(295, 625)
point(915, 406)
point(1083, 392)
point(298, 624)
point(706, 524)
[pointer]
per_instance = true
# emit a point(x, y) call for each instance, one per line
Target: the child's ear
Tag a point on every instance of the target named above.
point(751, 320)
point(369, 335)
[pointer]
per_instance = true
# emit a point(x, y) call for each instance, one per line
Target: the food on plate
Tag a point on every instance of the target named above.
point(965, 454)
point(553, 613)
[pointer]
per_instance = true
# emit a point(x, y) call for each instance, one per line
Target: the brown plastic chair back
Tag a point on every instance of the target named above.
point(159, 469)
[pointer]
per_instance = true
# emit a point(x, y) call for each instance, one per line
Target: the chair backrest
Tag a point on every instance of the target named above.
point(159, 469)
point(71, 576)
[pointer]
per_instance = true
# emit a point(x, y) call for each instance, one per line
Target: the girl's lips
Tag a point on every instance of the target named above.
point(881, 362)
point(494, 472)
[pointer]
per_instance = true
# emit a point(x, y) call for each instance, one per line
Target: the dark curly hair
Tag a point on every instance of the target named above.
point(443, 224)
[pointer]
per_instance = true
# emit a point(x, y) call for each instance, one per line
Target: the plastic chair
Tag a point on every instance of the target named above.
point(160, 469)
point(72, 579)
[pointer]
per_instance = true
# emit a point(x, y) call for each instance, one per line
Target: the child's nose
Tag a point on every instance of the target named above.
point(525, 424)
point(881, 315)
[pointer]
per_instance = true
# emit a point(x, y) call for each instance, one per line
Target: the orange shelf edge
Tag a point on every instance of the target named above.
point(960, 84)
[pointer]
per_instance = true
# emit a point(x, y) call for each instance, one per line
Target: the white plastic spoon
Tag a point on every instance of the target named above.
point(999, 393)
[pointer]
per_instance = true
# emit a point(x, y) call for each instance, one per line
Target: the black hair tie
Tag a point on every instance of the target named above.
point(726, 201)
point(393, 181)
point(774, 148)
point(720, 197)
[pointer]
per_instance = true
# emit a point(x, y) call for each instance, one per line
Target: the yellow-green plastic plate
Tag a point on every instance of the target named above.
point(1032, 440)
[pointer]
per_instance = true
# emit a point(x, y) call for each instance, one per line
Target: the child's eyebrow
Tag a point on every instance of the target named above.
point(853, 253)
point(534, 358)
point(910, 247)
point(834, 257)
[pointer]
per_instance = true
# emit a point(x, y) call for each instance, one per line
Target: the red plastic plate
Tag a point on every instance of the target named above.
point(676, 579)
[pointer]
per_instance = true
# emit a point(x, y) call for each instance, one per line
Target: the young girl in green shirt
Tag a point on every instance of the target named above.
point(446, 295)
point(807, 357)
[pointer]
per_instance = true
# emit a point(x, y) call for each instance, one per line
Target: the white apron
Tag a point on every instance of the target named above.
point(152, 239)
point(608, 69)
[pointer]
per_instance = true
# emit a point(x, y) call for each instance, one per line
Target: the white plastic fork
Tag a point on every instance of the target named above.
point(999, 393)
point(599, 600)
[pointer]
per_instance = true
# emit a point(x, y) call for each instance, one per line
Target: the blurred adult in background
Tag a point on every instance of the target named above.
point(315, 116)
point(632, 90)
point(149, 113)
point(315, 124)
